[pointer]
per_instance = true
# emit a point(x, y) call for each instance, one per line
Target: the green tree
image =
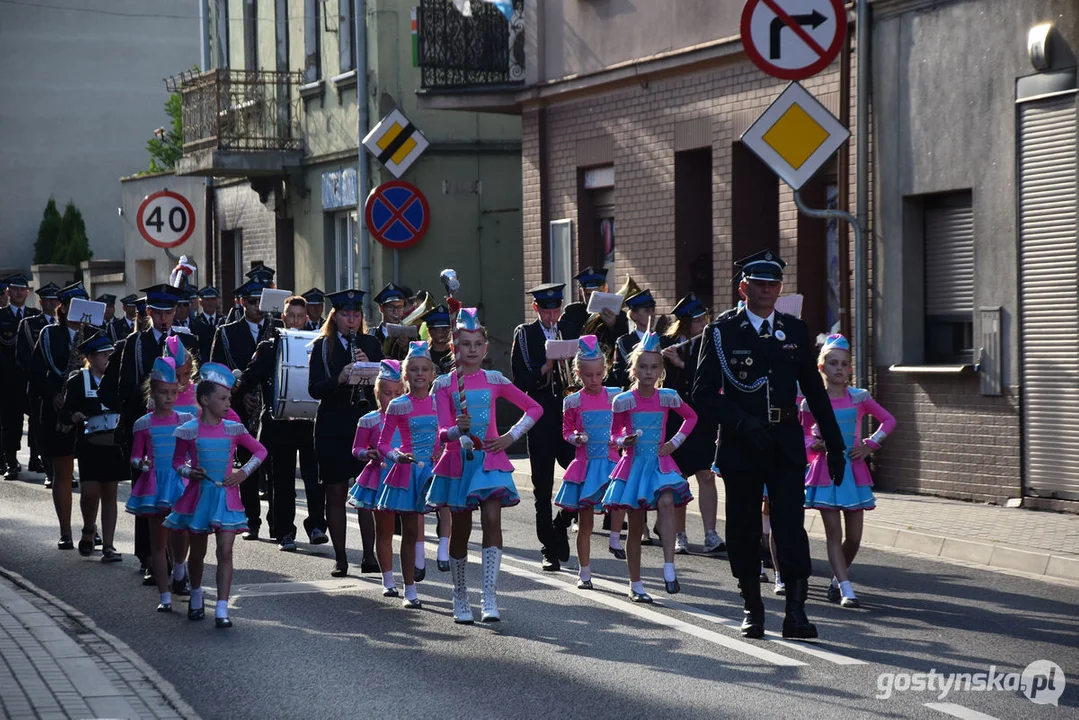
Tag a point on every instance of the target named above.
point(47, 232)
point(72, 245)
point(166, 148)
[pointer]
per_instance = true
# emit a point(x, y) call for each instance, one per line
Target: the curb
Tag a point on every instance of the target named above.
point(163, 686)
point(991, 556)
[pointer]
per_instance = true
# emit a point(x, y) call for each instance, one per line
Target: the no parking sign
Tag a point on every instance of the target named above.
point(397, 214)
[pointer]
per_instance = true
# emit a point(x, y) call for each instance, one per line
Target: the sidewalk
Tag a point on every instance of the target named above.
point(55, 663)
point(1029, 541)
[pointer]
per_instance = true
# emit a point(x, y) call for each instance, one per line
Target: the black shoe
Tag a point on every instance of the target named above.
point(148, 577)
point(443, 565)
point(222, 623)
point(643, 598)
point(619, 553)
point(74, 483)
point(196, 613)
point(340, 569)
point(390, 592)
point(182, 587)
point(48, 482)
point(97, 540)
point(250, 534)
point(35, 465)
point(14, 465)
point(833, 594)
point(109, 555)
point(561, 544)
point(64, 543)
point(86, 548)
point(584, 584)
point(12, 471)
point(550, 563)
point(164, 607)
point(419, 574)
point(795, 623)
point(369, 566)
point(753, 622)
point(672, 587)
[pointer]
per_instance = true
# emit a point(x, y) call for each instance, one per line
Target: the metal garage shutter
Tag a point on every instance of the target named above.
point(949, 257)
point(1048, 276)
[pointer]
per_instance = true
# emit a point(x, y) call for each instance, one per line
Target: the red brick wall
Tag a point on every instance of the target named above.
point(238, 207)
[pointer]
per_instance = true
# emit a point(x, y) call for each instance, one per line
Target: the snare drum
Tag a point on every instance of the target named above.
point(291, 400)
point(101, 429)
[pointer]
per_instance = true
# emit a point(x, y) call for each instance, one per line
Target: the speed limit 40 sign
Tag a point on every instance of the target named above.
point(166, 219)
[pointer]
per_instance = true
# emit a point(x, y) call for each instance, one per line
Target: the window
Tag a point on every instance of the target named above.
point(948, 232)
point(693, 223)
point(345, 32)
point(222, 20)
point(345, 249)
point(596, 220)
point(561, 251)
point(312, 68)
point(251, 35)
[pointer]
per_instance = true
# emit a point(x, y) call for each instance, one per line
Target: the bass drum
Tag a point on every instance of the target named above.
point(291, 400)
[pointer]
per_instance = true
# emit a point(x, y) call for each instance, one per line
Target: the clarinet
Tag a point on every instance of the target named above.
point(357, 397)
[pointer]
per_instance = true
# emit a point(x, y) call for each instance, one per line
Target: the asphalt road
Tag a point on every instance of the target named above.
point(309, 646)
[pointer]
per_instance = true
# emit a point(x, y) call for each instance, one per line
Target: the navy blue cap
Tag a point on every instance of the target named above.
point(591, 277)
point(390, 293)
point(17, 280)
point(251, 288)
point(438, 317)
point(261, 273)
point(314, 296)
point(98, 342)
point(140, 306)
point(765, 265)
point(74, 290)
point(106, 298)
point(351, 299)
point(548, 295)
point(129, 300)
point(3, 286)
point(161, 297)
point(51, 290)
point(209, 292)
point(690, 306)
point(643, 299)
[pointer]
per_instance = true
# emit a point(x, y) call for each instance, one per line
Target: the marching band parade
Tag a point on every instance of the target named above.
point(208, 415)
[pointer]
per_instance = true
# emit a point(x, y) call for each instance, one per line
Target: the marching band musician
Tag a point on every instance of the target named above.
point(541, 379)
point(286, 437)
point(342, 342)
point(12, 377)
point(29, 330)
point(438, 323)
point(391, 304)
point(615, 325)
point(109, 301)
point(121, 327)
point(53, 359)
point(315, 299)
point(182, 318)
point(233, 346)
point(642, 311)
point(206, 323)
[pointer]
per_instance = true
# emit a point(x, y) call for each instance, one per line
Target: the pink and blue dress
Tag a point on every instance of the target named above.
point(411, 429)
point(363, 495)
point(157, 489)
point(587, 477)
point(856, 490)
point(641, 475)
point(207, 505)
point(461, 484)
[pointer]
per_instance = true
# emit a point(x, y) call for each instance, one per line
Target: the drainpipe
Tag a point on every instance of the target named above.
point(363, 181)
point(208, 189)
point(861, 238)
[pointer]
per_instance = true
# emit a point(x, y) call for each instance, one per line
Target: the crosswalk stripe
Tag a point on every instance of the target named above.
point(959, 711)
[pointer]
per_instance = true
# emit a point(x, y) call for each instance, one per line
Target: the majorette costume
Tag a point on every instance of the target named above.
point(158, 485)
point(411, 429)
point(855, 492)
point(208, 505)
point(364, 493)
point(641, 474)
point(462, 484)
point(185, 399)
point(588, 416)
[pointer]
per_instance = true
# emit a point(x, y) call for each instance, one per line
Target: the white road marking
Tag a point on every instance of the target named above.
point(344, 584)
point(959, 711)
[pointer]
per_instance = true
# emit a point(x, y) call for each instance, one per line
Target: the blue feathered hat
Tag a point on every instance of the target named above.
point(217, 373)
point(650, 342)
point(469, 319)
point(389, 370)
point(164, 370)
point(418, 348)
point(588, 348)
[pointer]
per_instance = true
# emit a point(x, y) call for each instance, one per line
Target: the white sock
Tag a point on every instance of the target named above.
point(668, 572)
point(585, 573)
point(615, 540)
point(196, 598)
point(778, 581)
point(179, 570)
point(222, 610)
point(166, 598)
point(835, 583)
point(410, 592)
point(421, 557)
point(387, 579)
point(637, 587)
point(845, 589)
point(444, 549)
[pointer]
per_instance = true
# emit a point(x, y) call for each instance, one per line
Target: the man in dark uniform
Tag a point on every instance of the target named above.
point(182, 318)
point(234, 345)
point(391, 304)
point(751, 366)
point(575, 315)
point(12, 378)
point(29, 330)
point(287, 437)
point(110, 306)
point(315, 304)
point(205, 325)
point(642, 312)
point(541, 379)
point(440, 332)
point(121, 327)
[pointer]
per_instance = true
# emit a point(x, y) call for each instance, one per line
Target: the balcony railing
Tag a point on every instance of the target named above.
point(237, 110)
point(460, 52)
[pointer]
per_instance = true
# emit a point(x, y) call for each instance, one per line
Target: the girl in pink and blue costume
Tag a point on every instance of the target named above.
point(647, 478)
point(410, 441)
point(211, 503)
point(474, 472)
point(586, 424)
point(364, 492)
point(158, 485)
point(854, 494)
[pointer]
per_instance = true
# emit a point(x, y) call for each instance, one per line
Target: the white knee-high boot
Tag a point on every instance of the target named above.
point(492, 561)
point(462, 610)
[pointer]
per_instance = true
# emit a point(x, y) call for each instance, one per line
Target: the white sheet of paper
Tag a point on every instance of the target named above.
point(601, 301)
point(790, 304)
point(363, 373)
point(405, 331)
point(89, 311)
point(561, 349)
point(273, 301)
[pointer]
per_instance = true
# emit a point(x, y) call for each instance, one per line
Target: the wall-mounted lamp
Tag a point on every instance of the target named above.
point(1038, 46)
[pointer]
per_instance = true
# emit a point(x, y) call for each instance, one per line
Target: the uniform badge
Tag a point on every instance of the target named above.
point(749, 362)
point(743, 375)
point(780, 335)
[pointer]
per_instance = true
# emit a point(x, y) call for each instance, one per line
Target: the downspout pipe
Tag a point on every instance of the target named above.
point(861, 238)
point(363, 179)
point(208, 189)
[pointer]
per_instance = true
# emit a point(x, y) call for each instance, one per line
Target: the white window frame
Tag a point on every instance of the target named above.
point(560, 250)
point(345, 249)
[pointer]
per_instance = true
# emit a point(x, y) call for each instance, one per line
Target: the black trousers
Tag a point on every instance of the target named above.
point(285, 439)
point(11, 415)
point(31, 424)
point(249, 492)
point(545, 447)
point(786, 495)
point(142, 524)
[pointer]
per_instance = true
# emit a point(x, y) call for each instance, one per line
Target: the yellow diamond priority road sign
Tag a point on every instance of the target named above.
point(795, 136)
point(396, 143)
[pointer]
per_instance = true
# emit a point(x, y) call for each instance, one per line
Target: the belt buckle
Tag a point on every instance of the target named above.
point(775, 415)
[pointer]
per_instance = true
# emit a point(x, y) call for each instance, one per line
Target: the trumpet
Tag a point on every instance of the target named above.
point(411, 322)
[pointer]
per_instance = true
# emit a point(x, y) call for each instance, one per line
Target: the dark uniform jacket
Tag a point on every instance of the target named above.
point(527, 357)
point(398, 350)
point(29, 330)
point(741, 375)
point(443, 360)
point(575, 316)
point(620, 366)
point(121, 387)
point(12, 377)
point(50, 360)
point(204, 330)
point(234, 346)
point(119, 328)
point(312, 325)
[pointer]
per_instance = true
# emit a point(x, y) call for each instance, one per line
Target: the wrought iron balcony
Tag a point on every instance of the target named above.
point(237, 123)
point(461, 52)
